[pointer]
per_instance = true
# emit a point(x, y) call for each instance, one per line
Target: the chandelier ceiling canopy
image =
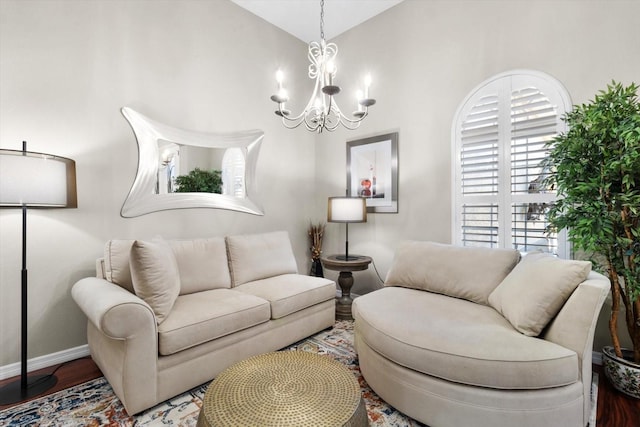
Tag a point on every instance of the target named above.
point(322, 111)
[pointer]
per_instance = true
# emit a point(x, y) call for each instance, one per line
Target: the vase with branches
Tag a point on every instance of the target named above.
point(316, 233)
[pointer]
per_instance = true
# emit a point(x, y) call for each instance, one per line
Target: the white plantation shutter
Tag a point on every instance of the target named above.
point(478, 156)
point(233, 166)
point(499, 134)
point(479, 149)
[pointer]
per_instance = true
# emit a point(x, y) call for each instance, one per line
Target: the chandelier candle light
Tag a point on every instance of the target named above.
point(322, 111)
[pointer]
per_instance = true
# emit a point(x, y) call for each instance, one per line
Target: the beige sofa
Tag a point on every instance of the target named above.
point(166, 316)
point(477, 337)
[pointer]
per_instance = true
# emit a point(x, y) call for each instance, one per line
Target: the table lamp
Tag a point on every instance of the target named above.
point(347, 210)
point(32, 180)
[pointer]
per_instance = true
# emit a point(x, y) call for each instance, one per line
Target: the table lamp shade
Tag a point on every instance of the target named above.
point(36, 180)
point(347, 209)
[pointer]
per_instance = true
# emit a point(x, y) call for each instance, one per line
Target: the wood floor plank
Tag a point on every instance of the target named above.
point(615, 409)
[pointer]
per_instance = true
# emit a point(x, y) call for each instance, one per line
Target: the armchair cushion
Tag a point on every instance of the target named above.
point(155, 276)
point(461, 272)
point(459, 341)
point(535, 291)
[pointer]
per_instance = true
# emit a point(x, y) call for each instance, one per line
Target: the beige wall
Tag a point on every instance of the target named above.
point(68, 66)
point(425, 57)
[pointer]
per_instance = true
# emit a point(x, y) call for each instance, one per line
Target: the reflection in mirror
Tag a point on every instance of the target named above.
point(169, 167)
point(233, 165)
point(188, 169)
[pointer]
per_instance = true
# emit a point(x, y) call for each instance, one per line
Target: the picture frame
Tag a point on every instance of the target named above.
point(372, 171)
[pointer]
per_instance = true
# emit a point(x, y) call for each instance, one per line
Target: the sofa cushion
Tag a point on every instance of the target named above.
point(116, 263)
point(537, 288)
point(461, 272)
point(459, 341)
point(204, 316)
point(202, 264)
point(155, 275)
point(259, 256)
point(289, 293)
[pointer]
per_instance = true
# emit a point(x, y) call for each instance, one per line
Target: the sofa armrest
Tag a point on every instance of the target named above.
point(575, 324)
point(123, 338)
point(114, 311)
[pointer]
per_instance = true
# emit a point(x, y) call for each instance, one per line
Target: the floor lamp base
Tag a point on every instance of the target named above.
point(36, 384)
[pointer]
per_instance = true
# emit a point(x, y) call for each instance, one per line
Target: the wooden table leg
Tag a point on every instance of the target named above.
point(343, 303)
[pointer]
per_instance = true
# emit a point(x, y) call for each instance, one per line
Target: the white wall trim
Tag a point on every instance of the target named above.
point(596, 358)
point(45, 361)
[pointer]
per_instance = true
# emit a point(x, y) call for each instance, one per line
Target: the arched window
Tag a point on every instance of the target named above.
point(499, 136)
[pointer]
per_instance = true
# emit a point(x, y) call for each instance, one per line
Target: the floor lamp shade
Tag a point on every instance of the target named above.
point(36, 180)
point(32, 180)
point(347, 209)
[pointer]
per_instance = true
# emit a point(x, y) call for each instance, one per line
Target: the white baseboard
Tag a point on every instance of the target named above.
point(596, 358)
point(45, 361)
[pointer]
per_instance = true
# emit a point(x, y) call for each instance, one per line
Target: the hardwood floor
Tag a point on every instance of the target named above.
point(69, 374)
point(614, 408)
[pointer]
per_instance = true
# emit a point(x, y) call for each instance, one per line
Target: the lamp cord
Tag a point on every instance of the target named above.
point(376, 270)
point(53, 373)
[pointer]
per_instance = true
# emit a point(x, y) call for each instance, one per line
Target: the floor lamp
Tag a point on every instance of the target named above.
point(347, 210)
point(32, 180)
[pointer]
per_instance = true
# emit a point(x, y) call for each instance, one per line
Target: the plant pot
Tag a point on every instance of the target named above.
point(316, 268)
point(623, 373)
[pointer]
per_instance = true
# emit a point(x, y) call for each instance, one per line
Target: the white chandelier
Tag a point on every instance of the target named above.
point(322, 111)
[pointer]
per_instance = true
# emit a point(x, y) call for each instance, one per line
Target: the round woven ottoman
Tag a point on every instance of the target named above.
point(287, 388)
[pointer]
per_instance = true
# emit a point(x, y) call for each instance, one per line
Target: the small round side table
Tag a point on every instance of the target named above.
point(345, 280)
point(286, 388)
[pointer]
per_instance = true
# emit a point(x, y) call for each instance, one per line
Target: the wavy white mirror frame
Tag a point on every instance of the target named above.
point(143, 197)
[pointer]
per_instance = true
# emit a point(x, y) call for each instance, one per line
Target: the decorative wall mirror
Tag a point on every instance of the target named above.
point(173, 163)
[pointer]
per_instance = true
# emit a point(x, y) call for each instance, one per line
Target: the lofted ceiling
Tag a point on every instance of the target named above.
point(301, 18)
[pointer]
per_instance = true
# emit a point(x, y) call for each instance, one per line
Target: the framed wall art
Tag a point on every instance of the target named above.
point(372, 172)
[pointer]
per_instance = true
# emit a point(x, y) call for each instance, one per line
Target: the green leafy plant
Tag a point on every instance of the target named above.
point(595, 168)
point(199, 181)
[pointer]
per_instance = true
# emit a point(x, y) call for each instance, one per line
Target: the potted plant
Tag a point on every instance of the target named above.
point(595, 168)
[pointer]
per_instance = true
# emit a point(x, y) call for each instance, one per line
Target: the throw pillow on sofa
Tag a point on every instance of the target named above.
point(259, 256)
point(116, 263)
point(154, 273)
point(462, 272)
point(536, 289)
point(202, 264)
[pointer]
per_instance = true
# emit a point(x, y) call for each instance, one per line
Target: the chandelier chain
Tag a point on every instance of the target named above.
point(321, 19)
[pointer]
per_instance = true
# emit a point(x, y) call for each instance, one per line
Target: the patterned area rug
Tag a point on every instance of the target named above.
point(94, 404)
